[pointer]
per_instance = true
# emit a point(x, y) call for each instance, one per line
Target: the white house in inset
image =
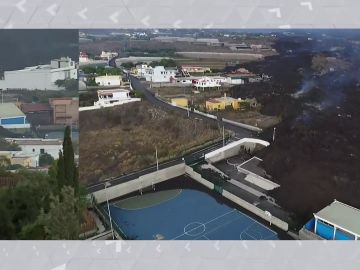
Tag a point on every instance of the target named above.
point(41, 77)
point(108, 55)
point(108, 80)
point(38, 146)
point(83, 57)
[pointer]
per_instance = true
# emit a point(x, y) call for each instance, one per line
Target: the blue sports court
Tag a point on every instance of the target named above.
point(184, 214)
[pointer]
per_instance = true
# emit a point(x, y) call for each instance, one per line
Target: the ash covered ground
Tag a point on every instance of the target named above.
point(315, 89)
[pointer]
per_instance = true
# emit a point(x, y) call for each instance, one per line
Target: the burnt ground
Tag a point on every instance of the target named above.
point(316, 154)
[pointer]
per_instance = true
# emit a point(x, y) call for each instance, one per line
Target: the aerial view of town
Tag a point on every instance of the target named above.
point(180, 134)
point(220, 134)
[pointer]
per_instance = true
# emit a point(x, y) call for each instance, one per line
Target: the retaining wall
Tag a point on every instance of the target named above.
point(242, 125)
point(197, 177)
point(255, 210)
point(140, 182)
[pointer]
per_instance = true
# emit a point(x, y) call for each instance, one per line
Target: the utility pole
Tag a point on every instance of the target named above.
point(274, 134)
point(108, 207)
point(223, 132)
point(157, 161)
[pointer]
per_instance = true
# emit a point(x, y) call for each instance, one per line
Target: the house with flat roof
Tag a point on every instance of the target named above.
point(160, 74)
point(11, 117)
point(37, 146)
point(40, 77)
point(337, 221)
point(108, 80)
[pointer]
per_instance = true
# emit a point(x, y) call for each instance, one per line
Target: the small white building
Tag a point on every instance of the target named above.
point(234, 79)
point(208, 82)
point(108, 55)
point(38, 146)
point(141, 69)
point(160, 74)
point(108, 80)
point(41, 77)
point(83, 57)
point(111, 98)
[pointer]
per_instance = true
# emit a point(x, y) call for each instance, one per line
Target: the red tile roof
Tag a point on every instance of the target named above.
point(35, 107)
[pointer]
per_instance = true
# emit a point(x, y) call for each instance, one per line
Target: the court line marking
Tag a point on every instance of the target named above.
point(262, 225)
point(200, 225)
point(218, 227)
point(246, 230)
point(133, 197)
point(207, 222)
point(241, 238)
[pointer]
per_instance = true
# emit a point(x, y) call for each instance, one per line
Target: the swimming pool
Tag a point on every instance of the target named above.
point(184, 214)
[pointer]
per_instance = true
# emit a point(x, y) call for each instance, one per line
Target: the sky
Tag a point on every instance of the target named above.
point(22, 48)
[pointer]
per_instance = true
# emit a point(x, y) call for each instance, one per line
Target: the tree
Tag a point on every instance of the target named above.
point(71, 85)
point(66, 163)
point(68, 84)
point(60, 176)
point(63, 219)
point(45, 159)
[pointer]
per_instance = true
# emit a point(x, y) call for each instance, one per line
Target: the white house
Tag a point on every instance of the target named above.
point(38, 145)
point(234, 79)
point(108, 55)
point(111, 98)
point(41, 77)
point(208, 82)
point(108, 80)
point(141, 69)
point(83, 57)
point(160, 74)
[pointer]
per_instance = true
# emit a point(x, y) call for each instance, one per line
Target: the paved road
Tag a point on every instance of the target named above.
point(239, 131)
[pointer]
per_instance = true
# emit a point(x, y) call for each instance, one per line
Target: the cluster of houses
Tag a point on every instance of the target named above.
point(220, 103)
point(19, 117)
point(182, 76)
point(116, 91)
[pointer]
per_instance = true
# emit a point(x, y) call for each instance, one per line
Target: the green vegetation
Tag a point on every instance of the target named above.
point(128, 65)
point(45, 159)
point(164, 62)
point(6, 146)
point(39, 206)
point(69, 84)
point(101, 70)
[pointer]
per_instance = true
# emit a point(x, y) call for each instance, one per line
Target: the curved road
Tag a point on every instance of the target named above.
point(239, 131)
